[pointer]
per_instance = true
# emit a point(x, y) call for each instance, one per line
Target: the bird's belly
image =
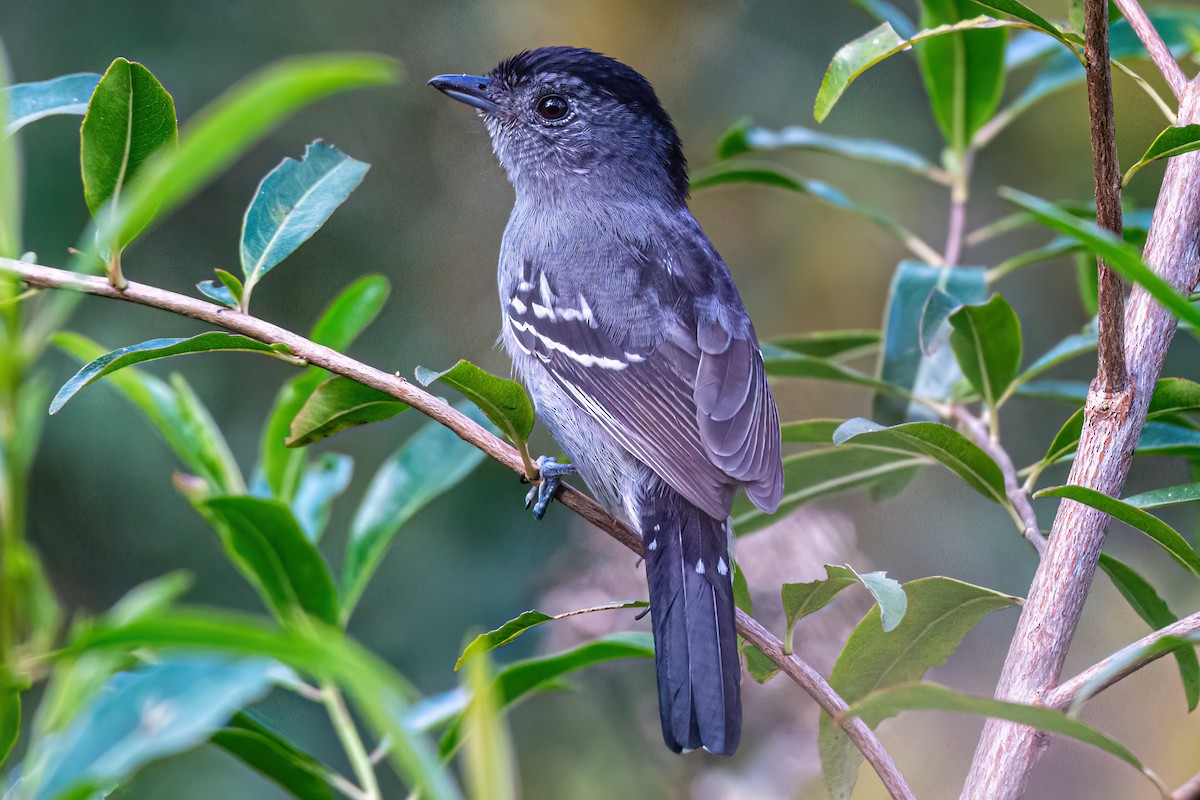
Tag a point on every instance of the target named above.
point(604, 465)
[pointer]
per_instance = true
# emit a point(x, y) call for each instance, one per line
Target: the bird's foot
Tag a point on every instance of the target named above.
point(542, 492)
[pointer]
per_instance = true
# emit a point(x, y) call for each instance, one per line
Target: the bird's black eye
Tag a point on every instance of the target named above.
point(552, 107)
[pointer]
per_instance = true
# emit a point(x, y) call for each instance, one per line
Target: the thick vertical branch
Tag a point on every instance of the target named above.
point(1110, 376)
point(1007, 752)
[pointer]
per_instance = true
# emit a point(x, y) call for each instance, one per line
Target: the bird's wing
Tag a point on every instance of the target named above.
point(692, 402)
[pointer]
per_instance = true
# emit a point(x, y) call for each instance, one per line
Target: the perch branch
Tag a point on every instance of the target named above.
point(805, 676)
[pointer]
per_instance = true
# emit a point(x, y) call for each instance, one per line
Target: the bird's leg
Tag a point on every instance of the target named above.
point(542, 492)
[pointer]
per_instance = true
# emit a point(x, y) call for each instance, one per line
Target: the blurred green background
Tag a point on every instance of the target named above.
point(429, 216)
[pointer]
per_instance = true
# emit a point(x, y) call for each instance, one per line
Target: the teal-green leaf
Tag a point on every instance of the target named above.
point(817, 473)
point(212, 341)
point(324, 480)
point(1077, 344)
point(795, 137)
point(1111, 670)
point(218, 292)
point(28, 102)
point(1066, 441)
point(941, 611)
point(228, 126)
point(1167, 537)
point(1072, 41)
point(786, 364)
point(963, 71)
point(1184, 493)
point(903, 363)
point(1122, 257)
point(812, 431)
point(351, 311)
point(293, 201)
point(514, 628)
point(831, 344)
point(937, 441)
point(888, 594)
point(1174, 396)
point(503, 401)
point(274, 757)
point(129, 117)
point(987, 344)
point(432, 461)
point(1154, 611)
point(142, 716)
point(923, 696)
point(1172, 142)
point(267, 544)
point(337, 404)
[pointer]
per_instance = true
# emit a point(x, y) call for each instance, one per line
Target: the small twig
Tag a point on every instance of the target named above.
point(1061, 696)
point(352, 743)
point(1110, 377)
point(959, 194)
point(1189, 790)
point(807, 678)
point(1017, 494)
point(1160, 54)
point(381, 750)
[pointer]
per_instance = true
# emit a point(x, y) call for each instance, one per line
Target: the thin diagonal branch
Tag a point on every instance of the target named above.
point(1061, 696)
point(318, 355)
point(1189, 790)
point(1160, 54)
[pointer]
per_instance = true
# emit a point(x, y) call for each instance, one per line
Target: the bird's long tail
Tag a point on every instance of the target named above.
point(691, 605)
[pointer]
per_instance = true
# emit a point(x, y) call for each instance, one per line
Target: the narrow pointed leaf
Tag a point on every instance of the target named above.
point(504, 402)
point(987, 344)
point(228, 126)
point(293, 201)
point(29, 102)
point(876, 151)
point(267, 544)
point(283, 467)
point(214, 341)
point(129, 117)
point(433, 461)
point(488, 760)
point(1167, 537)
point(514, 628)
point(11, 203)
point(817, 473)
point(324, 480)
point(1112, 669)
point(933, 697)
point(786, 364)
point(941, 611)
point(348, 314)
point(274, 757)
point(937, 441)
point(1076, 344)
point(1154, 611)
point(831, 344)
point(1072, 41)
point(1066, 441)
point(10, 720)
point(1174, 396)
point(1172, 142)
point(1185, 493)
point(813, 431)
point(216, 291)
point(337, 404)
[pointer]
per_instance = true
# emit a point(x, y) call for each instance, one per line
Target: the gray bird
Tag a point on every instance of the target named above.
point(625, 326)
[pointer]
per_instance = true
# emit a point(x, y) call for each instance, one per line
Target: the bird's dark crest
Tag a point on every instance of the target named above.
point(606, 75)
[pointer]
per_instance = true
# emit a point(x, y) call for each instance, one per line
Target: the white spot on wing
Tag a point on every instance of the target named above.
point(586, 359)
point(653, 544)
point(700, 567)
point(722, 567)
point(517, 305)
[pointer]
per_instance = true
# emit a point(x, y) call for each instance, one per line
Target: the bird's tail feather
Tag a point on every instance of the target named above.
point(691, 605)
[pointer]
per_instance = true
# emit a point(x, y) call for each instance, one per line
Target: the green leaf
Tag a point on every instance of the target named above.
point(785, 364)
point(903, 362)
point(761, 668)
point(10, 719)
point(220, 293)
point(293, 201)
point(831, 344)
point(175, 414)
point(129, 117)
point(267, 544)
point(229, 126)
point(1184, 493)
point(433, 461)
point(142, 716)
point(337, 404)
point(1162, 533)
point(488, 761)
point(937, 441)
point(802, 599)
point(1077, 344)
point(817, 473)
point(153, 598)
point(987, 344)
point(741, 589)
point(323, 481)
point(29, 102)
point(282, 466)
point(523, 677)
point(1174, 396)
point(888, 594)
point(1071, 392)
point(1113, 668)
point(1050, 251)
point(934, 697)
point(1072, 41)
point(514, 628)
point(1066, 441)
point(1122, 257)
point(1154, 611)
point(941, 611)
point(875, 151)
point(161, 348)
point(766, 174)
point(503, 401)
point(866, 51)
point(812, 431)
point(11, 204)
point(1172, 142)
point(274, 757)
point(354, 308)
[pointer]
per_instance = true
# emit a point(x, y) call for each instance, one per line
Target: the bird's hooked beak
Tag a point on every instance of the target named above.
point(469, 89)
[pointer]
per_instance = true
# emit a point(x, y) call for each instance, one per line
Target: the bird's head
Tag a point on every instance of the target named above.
point(565, 121)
